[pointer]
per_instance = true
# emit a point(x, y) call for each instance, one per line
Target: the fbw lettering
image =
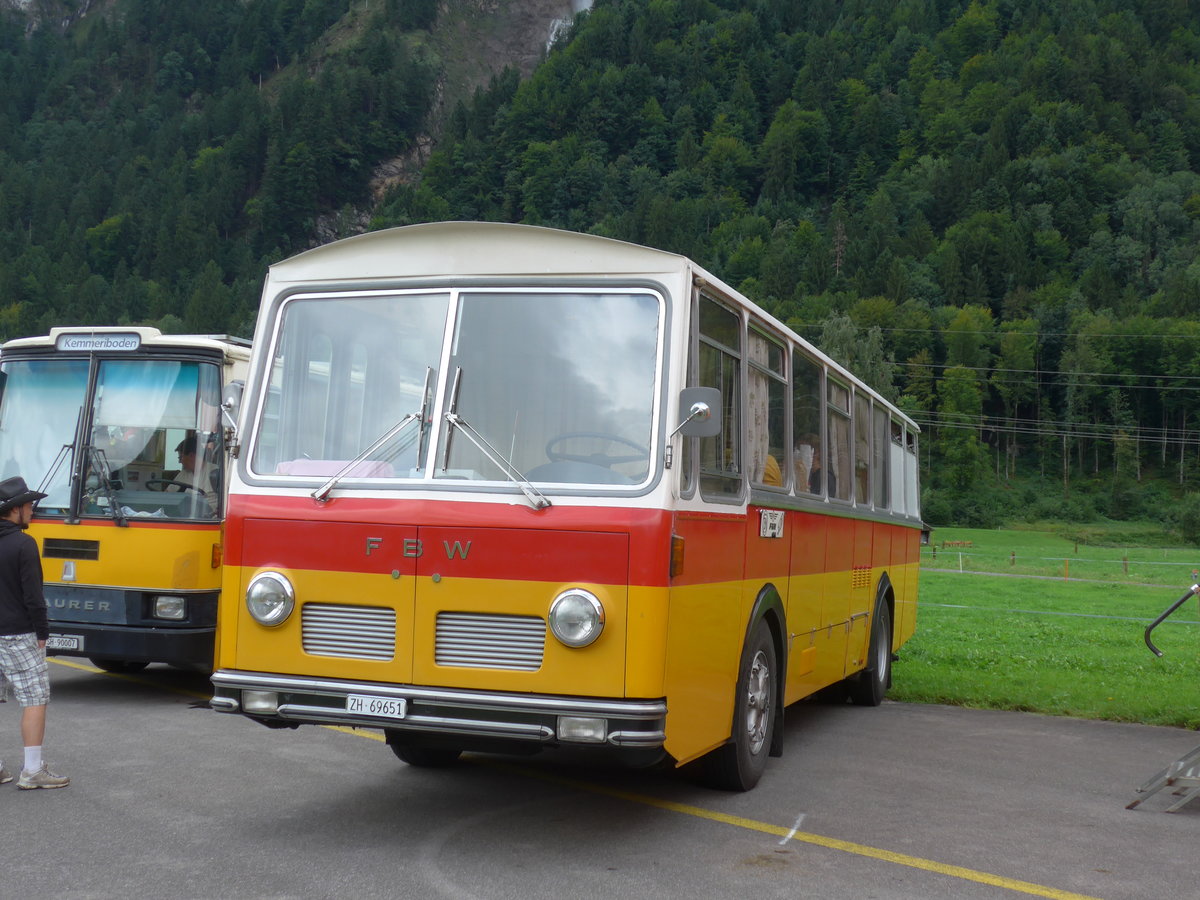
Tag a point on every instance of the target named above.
point(414, 548)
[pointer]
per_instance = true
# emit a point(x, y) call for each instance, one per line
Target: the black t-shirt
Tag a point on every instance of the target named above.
point(22, 603)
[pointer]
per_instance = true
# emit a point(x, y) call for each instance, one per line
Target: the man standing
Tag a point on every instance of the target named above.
point(24, 630)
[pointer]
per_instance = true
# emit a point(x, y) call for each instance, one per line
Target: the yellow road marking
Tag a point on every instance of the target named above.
point(783, 831)
point(900, 859)
point(133, 679)
point(74, 665)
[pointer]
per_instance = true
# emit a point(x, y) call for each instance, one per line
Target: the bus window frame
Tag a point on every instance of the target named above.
point(255, 410)
point(846, 415)
point(733, 403)
point(779, 343)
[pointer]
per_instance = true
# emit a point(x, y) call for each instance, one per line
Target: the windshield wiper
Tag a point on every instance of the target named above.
point(321, 494)
point(532, 494)
point(67, 451)
point(104, 474)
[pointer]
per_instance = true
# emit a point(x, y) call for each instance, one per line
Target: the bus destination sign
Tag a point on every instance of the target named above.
point(91, 343)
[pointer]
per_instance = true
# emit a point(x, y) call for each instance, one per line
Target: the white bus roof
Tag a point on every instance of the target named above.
point(238, 348)
point(501, 249)
point(471, 248)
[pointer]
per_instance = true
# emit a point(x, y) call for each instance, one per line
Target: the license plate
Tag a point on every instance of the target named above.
point(64, 642)
point(384, 707)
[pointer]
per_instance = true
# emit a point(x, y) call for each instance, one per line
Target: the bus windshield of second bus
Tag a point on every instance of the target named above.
point(556, 387)
point(117, 454)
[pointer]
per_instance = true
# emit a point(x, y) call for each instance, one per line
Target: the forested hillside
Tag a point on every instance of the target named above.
point(989, 208)
point(156, 156)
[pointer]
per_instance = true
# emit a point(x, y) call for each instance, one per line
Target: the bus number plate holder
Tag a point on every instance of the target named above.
point(383, 707)
point(64, 642)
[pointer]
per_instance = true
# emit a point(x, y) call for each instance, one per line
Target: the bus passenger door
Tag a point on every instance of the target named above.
point(706, 629)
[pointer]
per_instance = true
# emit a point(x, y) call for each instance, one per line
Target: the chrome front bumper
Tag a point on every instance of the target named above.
point(439, 711)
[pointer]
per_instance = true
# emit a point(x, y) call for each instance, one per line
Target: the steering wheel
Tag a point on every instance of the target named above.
point(167, 482)
point(595, 459)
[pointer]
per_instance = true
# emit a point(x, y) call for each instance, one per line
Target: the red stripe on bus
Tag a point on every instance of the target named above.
point(597, 544)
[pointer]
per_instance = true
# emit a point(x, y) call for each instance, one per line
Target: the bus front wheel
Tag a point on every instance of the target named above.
point(739, 764)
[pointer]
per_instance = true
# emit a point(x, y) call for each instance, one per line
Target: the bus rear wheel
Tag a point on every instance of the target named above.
point(871, 684)
point(738, 765)
point(421, 756)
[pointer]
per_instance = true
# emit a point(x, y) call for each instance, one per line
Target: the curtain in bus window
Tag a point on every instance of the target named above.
point(561, 385)
point(136, 399)
point(879, 457)
point(837, 468)
point(896, 469)
point(806, 422)
point(765, 416)
point(862, 448)
point(39, 410)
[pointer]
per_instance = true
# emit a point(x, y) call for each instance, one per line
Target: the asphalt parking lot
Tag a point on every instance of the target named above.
point(170, 799)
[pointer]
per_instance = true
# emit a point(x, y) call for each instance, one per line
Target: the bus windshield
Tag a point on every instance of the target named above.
point(144, 442)
point(559, 385)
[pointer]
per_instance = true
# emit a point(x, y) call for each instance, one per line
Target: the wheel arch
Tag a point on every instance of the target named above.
point(886, 593)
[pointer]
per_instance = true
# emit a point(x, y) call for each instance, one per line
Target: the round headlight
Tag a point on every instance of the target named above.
point(576, 617)
point(270, 598)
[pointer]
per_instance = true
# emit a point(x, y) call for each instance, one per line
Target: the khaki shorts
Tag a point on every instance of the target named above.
point(23, 665)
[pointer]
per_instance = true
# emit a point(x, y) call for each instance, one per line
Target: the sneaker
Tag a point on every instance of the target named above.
point(42, 778)
point(5, 776)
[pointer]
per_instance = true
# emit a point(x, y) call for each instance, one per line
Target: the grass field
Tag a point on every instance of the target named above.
point(1022, 638)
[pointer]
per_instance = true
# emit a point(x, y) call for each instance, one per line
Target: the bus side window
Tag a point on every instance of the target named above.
point(719, 365)
point(912, 488)
point(896, 469)
point(806, 422)
point(766, 413)
point(862, 448)
point(837, 466)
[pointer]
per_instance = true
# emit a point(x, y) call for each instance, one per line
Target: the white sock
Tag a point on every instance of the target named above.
point(33, 759)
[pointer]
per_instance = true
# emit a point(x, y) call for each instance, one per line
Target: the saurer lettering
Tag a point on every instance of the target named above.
point(89, 605)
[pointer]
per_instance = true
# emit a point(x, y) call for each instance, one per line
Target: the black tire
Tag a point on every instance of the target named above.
point(870, 686)
point(118, 666)
point(422, 757)
point(739, 764)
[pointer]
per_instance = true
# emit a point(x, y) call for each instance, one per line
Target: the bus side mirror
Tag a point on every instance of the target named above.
point(701, 407)
point(231, 405)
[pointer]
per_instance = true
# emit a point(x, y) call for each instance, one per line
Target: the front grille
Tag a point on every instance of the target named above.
point(490, 642)
point(69, 548)
point(357, 632)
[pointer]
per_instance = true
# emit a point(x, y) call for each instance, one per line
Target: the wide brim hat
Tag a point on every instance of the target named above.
point(15, 492)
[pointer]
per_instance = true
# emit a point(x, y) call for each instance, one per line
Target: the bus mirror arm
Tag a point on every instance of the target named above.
point(704, 412)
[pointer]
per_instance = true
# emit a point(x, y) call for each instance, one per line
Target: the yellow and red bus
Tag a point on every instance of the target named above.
point(130, 536)
point(503, 488)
